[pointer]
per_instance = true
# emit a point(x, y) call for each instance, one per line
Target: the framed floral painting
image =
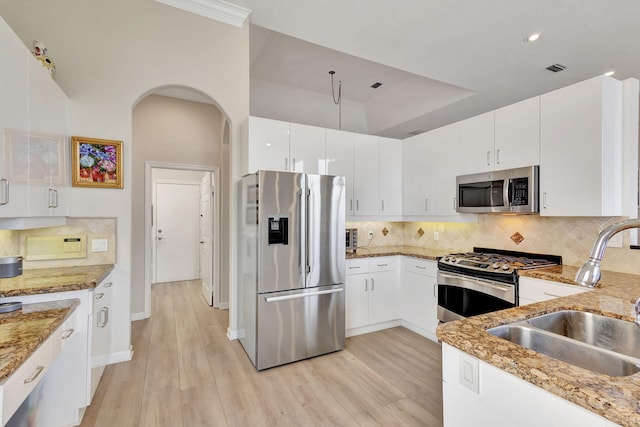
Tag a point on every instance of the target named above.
point(96, 162)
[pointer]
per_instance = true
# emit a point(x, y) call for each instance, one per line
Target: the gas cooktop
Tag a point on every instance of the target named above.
point(496, 261)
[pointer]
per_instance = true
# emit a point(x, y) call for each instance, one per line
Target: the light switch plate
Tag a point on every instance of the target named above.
point(99, 245)
point(469, 375)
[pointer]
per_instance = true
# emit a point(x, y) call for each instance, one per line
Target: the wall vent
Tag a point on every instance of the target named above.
point(556, 67)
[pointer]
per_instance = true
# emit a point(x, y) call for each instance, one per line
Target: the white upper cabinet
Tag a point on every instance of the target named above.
point(307, 149)
point(339, 157)
point(442, 166)
point(268, 144)
point(282, 146)
point(415, 174)
point(34, 170)
point(517, 135)
point(365, 172)
point(390, 176)
point(502, 139)
point(430, 165)
point(581, 149)
point(477, 144)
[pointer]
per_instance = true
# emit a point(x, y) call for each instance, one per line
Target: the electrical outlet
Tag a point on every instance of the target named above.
point(436, 236)
point(370, 234)
point(99, 245)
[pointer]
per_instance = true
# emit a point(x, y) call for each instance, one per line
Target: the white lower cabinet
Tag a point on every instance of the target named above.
point(475, 393)
point(371, 294)
point(535, 290)
point(418, 296)
point(100, 331)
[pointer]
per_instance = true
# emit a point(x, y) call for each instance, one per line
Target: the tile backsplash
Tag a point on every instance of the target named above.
point(12, 242)
point(570, 237)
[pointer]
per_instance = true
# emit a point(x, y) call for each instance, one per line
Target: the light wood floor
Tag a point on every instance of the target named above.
point(185, 372)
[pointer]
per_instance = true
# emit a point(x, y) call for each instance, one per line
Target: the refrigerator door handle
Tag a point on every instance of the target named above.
point(300, 266)
point(303, 295)
point(306, 237)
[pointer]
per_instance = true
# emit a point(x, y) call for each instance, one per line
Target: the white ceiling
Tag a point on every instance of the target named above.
point(448, 60)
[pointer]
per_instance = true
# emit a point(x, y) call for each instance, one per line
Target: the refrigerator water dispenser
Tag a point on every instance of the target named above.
point(278, 230)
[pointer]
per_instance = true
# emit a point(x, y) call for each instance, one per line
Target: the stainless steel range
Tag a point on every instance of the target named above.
point(483, 281)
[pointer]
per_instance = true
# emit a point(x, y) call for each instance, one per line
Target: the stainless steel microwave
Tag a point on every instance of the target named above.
point(505, 191)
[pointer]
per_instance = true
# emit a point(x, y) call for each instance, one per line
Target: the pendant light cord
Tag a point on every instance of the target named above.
point(338, 101)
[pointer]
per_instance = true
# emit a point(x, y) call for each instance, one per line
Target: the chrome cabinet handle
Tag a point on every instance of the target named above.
point(286, 164)
point(357, 204)
point(66, 334)
point(373, 285)
point(425, 204)
point(488, 158)
point(99, 296)
point(435, 289)
point(381, 205)
point(498, 156)
point(293, 164)
point(544, 200)
point(108, 284)
point(103, 317)
point(351, 205)
point(34, 375)
point(351, 268)
point(366, 284)
point(455, 204)
point(5, 192)
point(382, 265)
point(51, 203)
point(420, 267)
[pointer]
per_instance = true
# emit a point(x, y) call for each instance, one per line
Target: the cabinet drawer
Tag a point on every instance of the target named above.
point(542, 290)
point(18, 386)
point(357, 266)
point(387, 263)
point(420, 266)
point(62, 335)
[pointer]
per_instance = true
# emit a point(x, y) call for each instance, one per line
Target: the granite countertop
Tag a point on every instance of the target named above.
point(49, 280)
point(414, 251)
point(615, 398)
point(22, 331)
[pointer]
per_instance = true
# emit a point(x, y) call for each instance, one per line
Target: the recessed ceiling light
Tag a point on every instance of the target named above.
point(609, 73)
point(532, 37)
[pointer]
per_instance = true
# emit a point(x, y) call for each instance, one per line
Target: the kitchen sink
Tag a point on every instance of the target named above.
point(591, 341)
point(601, 331)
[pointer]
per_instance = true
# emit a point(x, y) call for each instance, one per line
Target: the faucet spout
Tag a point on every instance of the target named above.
point(589, 273)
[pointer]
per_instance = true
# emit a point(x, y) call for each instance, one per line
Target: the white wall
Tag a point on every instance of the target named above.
point(109, 54)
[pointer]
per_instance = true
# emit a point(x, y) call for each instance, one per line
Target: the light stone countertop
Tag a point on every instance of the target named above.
point(615, 398)
point(22, 331)
point(49, 280)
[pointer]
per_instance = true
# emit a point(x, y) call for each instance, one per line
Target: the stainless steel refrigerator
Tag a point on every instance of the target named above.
point(292, 266)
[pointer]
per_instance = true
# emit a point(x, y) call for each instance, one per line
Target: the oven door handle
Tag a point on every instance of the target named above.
point(496, 289)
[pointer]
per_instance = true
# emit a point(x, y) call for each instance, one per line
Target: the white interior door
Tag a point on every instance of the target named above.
point(206, 222)
point(177, 232)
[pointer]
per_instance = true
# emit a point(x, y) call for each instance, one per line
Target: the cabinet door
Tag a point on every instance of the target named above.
point(48, 152)
point(390, 176)
point(442, 166)
point(268, 144)
point(14, 113)
point(307, 149)
point(476, 144)
point(340, 161)
point(365, 170)
point(356, 301)
point(101, 324)
point(580, 149)
point(383, 305)
point(517, 135)
point(415, 175)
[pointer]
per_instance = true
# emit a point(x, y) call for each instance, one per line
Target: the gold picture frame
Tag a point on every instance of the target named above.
point(96, 163)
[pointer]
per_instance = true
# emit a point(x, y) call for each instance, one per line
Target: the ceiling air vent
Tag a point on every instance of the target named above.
point(556, 67)
point(376, 85)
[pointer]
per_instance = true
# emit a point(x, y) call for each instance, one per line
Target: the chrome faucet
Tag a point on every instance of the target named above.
point(589, 273)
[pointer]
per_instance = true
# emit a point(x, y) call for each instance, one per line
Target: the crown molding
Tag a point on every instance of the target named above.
point(218, 10)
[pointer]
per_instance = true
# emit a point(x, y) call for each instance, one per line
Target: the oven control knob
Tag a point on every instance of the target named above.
point(495, 265)
point(447, 258)
point(505, 267)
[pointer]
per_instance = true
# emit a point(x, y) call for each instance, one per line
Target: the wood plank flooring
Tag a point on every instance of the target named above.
point(185, 372)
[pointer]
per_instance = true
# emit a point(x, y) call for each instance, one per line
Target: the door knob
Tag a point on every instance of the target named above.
point(160, 238)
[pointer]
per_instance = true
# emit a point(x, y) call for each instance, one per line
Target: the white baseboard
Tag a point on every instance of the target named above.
point(108, 359)
point(223, 306)
point(141, 315)
point(233, 334)
point(372, 328)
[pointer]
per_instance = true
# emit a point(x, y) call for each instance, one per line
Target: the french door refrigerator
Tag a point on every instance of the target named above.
point(292, 266)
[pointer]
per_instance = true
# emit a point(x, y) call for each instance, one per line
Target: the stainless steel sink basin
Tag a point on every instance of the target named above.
point(605, 332)
point(598, 343)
